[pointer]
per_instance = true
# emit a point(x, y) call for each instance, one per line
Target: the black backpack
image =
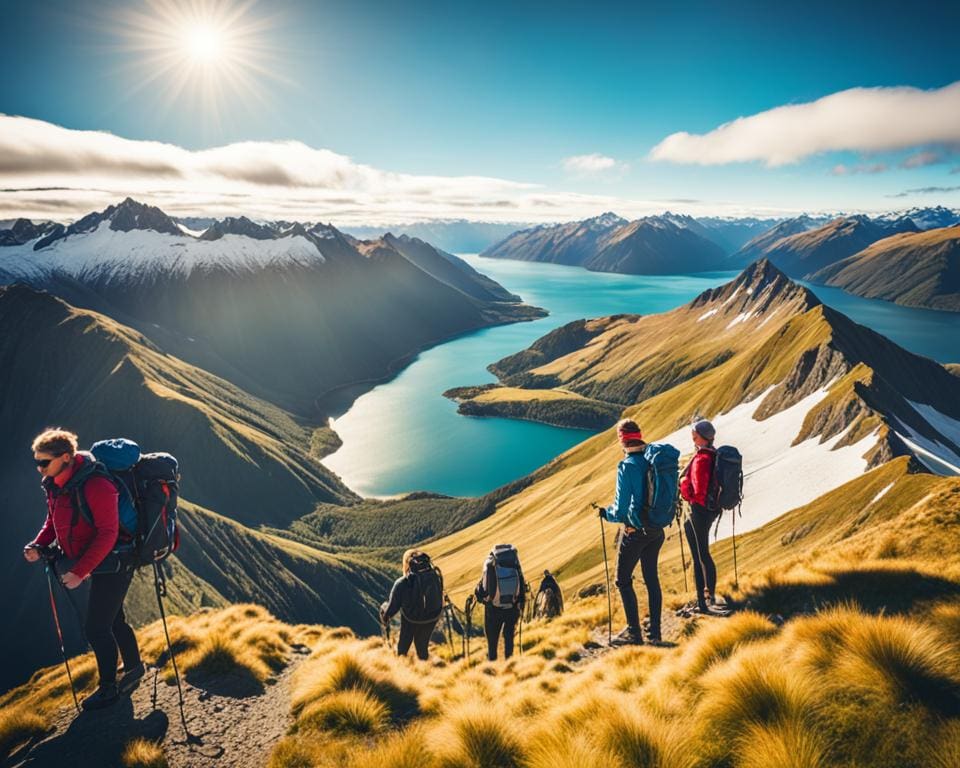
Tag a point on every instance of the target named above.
point(726, 482)
point(150, 482)
point(426, 596)
point(549, 602)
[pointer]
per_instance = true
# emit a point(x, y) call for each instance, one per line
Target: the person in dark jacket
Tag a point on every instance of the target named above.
point(549, 601)
point(637, 544)
point(418, 597)
point(84, 546)
point(694, 488)
point(502, 591)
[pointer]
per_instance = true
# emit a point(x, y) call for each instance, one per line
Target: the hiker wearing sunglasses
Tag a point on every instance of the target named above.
point(85, 538)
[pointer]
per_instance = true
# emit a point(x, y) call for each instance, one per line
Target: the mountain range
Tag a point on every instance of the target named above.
point(287, 315)
point(810, 249)
point(814, 399)
point(608, 243)
point(919, 269)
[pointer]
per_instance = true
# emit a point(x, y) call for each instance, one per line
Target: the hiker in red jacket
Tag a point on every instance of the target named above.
point(694, 488)
point(84, 545)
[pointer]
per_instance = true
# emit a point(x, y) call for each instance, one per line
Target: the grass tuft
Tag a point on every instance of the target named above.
point(17, 726)
point(142, 753)
point(345, 712)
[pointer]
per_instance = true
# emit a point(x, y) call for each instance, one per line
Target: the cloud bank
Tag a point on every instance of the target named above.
point(859, 119)
point(50, 171)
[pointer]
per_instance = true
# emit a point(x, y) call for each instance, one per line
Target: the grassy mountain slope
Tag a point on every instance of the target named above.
point(829, 389)
point(846, 654)
point(247, 459)
point(915, 269)
point(287, 318)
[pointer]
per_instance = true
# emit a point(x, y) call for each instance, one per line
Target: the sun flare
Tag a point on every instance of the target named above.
point(209, 56)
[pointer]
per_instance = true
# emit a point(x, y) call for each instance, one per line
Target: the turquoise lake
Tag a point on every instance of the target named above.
point(404, 436)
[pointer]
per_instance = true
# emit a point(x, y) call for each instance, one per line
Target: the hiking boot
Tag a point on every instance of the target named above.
point(130, 679)
point(104, 696)
point(654, 639)
point(628, 636)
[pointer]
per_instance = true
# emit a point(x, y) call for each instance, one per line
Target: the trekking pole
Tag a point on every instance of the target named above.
point(468, 610)
point(161, 588)
point(736, 573)
point(606, 571)
point(680, 533)
point(447, 606)
point(56, 623)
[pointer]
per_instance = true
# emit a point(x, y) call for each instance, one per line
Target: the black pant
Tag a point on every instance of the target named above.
point(496, 620)
point(418, 634)
point(107, 629)
point(643, 546)
point(697, 528)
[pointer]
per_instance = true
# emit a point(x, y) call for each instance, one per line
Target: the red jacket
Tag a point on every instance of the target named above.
point(85, 543)
point(696, 480)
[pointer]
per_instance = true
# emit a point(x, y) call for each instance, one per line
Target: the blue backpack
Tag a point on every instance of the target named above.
point(663, 468)
point(148, 486)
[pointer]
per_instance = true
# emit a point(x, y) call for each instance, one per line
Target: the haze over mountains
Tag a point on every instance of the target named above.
point(800, 246)
point(286, 314)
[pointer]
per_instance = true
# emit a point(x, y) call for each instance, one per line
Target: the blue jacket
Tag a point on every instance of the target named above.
point(631, 491)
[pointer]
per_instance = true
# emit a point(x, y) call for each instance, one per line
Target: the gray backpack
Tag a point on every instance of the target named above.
point(502, 576)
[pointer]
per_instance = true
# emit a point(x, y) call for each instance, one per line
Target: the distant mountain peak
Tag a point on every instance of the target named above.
point(759, 290)
point(608, 220)
point(240, 225)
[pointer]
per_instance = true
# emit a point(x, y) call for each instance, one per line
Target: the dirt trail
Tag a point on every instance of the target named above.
point(225, 729)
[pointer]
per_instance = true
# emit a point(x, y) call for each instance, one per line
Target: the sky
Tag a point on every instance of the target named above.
point(384, 112)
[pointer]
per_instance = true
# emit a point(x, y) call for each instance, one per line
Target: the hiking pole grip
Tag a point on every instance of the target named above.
point(606, 572)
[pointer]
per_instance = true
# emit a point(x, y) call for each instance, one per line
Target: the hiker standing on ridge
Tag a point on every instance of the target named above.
point(695, 488)
point(501, 590)
point(637, 542)
point(418, 597)
point(84, 543)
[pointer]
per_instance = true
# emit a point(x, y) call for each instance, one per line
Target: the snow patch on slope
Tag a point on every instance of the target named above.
point(779, 476)
point(938, 457)
point(705, 315)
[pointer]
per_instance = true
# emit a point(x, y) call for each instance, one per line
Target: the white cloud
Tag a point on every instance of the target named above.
point(592, 163)
point(923, 159)
point(850, 170)
point(859, 119)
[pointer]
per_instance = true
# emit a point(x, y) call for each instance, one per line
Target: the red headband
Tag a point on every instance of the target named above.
point(626, 437)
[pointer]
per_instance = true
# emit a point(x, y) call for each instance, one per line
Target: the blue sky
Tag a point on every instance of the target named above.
point(513, 90)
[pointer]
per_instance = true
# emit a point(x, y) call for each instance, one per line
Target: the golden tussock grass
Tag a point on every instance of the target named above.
point(478, 736)
point(345, 712)
point(141, 753)
point(18, 725)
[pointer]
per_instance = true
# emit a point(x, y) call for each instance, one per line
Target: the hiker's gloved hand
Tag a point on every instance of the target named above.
point(30, 553)
point(602, 513)
point(71, 580)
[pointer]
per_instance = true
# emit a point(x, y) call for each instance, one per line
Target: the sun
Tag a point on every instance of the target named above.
point(208, 57)
point(203, 42)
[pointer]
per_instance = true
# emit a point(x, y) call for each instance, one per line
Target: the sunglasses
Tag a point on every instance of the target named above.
point(44, 463)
